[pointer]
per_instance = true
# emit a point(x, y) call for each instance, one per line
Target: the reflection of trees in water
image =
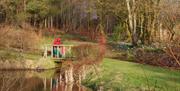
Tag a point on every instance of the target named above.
point(27, 81)
point(57, 85)
point(67, 79)
point(16, 81)
point(88, 58)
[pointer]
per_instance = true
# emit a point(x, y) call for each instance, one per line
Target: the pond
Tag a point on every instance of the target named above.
point(36, 81)
point(68, 75)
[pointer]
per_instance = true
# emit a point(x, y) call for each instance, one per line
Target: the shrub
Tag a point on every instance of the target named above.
point(118, 33)
point(89, 52)
point(18, 39)
point(167, 57)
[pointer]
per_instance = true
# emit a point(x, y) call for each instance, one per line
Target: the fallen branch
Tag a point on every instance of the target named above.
point(171, 53)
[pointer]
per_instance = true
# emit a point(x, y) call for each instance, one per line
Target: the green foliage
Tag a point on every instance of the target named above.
point(7, 54)
point(118, 30)
point(39, 8)
point(21, 17)
point(152, 49)
point(92, 15)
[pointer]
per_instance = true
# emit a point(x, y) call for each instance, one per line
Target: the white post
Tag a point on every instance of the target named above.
point(58, 51)
point(52, 51)
point(45, 52)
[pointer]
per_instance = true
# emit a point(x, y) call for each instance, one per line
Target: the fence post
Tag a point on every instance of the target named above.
point(52, 52)
point(45, 52)
point(58, 51)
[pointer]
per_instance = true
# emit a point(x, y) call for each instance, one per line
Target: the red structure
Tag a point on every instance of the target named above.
point(58, 49)
point(57, 41)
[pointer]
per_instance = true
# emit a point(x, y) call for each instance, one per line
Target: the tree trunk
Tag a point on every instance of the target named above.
point(51, 22)
point(45, 22)
point(132, 21)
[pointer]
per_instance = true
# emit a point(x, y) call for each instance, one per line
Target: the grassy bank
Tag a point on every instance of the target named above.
point(126, 76)
point(15, 60)
point(12, 58)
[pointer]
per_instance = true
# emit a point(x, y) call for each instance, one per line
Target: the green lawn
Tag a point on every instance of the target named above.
point(15, 55)
point(126, 76)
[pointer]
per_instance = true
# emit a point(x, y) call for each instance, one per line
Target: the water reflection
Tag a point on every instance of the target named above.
point(36, 81)
point(67, 78)
point(57, 85)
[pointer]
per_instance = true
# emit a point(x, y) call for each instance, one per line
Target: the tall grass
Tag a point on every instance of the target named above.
point(19, 39)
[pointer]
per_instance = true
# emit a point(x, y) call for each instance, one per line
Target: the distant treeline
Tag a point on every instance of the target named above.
point(131, 20)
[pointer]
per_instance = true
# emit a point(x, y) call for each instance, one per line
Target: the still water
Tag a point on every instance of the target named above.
point(36, 81)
